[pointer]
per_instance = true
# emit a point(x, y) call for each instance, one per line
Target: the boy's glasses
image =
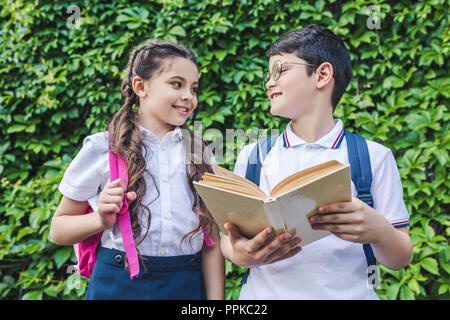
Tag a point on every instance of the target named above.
point(277, 69)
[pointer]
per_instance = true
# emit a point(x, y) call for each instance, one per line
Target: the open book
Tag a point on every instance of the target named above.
point(231, 198)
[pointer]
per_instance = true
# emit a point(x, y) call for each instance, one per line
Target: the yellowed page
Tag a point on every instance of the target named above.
point(246, 212)
point(212, 179)
point(227, 173)
point(234, 188)
point(297, 205)
point(305, 176)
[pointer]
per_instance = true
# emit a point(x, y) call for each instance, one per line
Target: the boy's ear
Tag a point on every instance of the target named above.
point(139, 86)
point(324, 75)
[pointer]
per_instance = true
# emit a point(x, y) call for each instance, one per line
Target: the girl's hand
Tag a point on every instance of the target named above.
point(264, 248)
point(110, 202)
point(353, 221)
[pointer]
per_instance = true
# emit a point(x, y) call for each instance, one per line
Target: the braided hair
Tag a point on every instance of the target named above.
point(126, 139)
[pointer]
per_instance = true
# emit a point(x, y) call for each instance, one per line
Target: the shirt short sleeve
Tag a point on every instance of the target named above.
point(387, 192)
point(89, 169)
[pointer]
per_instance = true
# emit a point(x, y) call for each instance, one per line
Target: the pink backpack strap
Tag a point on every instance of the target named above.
point(209, 242)
point(118, 169)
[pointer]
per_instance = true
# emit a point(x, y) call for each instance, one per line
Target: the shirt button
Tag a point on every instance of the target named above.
point(168, 215)
point(163, 252)
point(163, 148)
point(165, 179)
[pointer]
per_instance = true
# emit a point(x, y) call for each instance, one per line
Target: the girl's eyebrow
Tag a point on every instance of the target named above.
point(182, 79)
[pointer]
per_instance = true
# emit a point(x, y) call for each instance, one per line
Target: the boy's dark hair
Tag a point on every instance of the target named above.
point(316, 45)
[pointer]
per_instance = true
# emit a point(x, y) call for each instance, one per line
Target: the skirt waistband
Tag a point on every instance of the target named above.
point(152, 264)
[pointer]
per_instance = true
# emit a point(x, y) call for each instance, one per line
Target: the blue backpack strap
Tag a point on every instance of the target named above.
point(253, 172)
point(358, 155)
point(361, 172)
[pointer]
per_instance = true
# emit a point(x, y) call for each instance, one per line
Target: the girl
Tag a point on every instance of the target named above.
point(166, 213)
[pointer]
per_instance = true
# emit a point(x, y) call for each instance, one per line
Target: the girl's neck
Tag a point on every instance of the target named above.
point(311, 127)
point(158, 128)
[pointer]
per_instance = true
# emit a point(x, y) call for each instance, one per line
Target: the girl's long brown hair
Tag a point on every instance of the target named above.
point(126, 140)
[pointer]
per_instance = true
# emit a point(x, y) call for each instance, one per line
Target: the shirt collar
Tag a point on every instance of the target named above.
point(332, 140)
point(173, 136)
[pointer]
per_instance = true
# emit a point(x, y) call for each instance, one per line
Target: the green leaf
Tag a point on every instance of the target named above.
point(52, 291)
point(406, 294)
point(36, 217)
point(178, 31)
point(441, 156)
point(124, 18)
point(443, 289)
point(23, 232)
point(62, 255)
point(16, 128)
point(392, 291)
point(430, 265)
point(33, 295)
point(220, 54)
point(253, 42)
point(393, 81)
point(414, 286)
point(130, 25)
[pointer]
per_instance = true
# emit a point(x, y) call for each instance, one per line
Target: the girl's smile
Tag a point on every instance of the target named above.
point(169, 97)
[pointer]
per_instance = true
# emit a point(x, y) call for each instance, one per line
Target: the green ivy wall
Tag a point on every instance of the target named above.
point(60, 81)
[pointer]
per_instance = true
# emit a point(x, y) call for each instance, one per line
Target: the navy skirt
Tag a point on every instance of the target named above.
point(166, 278)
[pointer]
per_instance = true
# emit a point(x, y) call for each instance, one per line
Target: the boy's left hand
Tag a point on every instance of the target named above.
point(353, 221)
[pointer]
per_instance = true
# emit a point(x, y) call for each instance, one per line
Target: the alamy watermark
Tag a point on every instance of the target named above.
point(221, 145)
point(374, 20)
point(74, 280)
point(373, 280)
point(73, 22)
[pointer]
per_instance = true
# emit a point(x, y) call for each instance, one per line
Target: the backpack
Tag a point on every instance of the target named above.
point(361, 173)
point(85, 250)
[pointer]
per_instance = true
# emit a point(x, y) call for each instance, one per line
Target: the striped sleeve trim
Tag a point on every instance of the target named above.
point(399, 224)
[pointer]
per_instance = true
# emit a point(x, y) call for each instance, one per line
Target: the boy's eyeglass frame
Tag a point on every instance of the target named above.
point(277, 69)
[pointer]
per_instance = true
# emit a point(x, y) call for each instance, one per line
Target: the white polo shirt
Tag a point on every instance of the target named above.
point(171, 208)
point(330, 268)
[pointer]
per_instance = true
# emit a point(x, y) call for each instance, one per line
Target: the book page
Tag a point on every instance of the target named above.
point(297, 205)
point(222, 172)
point(231, 184)
point(231, 187)
point(246, 212)
point(305, 176)
point(225, 176)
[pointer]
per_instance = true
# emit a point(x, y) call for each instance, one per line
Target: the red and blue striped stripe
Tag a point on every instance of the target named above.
point(401, 224)
point(338, 141)
point(336, 144)
point(286, 143)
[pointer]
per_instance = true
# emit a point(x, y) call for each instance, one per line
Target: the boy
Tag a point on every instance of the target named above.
point(309, 71)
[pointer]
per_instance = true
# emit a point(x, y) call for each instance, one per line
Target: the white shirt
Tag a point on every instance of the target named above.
point(171, 212)
point(330, 268)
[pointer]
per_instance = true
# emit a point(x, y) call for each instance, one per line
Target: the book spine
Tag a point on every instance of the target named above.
point(273, 214)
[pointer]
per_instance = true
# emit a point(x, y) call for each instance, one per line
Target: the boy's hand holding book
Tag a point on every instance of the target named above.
point(264, 248)
point(353, 221)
